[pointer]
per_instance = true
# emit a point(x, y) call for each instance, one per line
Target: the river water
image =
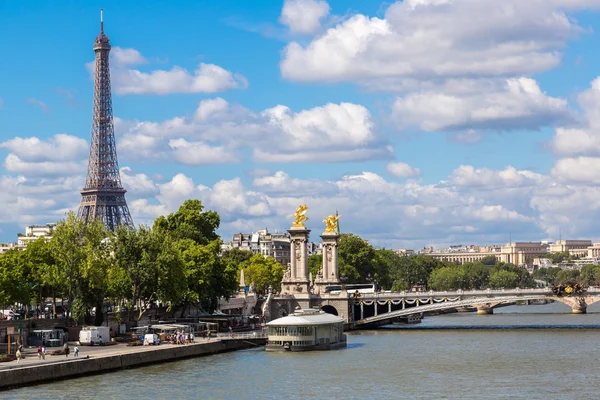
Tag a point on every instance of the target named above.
point(520, 352)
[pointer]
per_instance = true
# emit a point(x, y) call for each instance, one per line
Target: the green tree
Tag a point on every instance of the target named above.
point(190, 221)
point(447, 278)
point(503, 279)
point(43, 271)
point(9, 277)
point(476, 275)
point(588, 273)
point(263, 272)
point(356, 259)
point(315, 261)
point(547, 274)
point(385, 263)
point(193, 233)
point(67, 250)
point(489, 260)
point(236, 257)
point(566, 277)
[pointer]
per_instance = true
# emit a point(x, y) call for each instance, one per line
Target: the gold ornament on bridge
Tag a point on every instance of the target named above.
point(568, 290)
point(300, 216)
point(331, 223)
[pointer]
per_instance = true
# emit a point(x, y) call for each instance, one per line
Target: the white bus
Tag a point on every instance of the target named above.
point(363, 288)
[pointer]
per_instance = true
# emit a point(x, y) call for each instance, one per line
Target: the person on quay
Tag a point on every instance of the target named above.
point(43, 352)
point(76, 351)
point(39, 352)
point(66, 349)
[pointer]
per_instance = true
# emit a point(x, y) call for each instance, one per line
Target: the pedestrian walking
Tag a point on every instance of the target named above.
point(76, 351)
point(43, 352)
point(66, 349)
point(39, 352)
point(18, 355)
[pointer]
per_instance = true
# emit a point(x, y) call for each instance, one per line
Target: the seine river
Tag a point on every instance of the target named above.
point(520, 352)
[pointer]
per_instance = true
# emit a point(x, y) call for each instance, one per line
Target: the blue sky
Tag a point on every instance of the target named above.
point(423, 121)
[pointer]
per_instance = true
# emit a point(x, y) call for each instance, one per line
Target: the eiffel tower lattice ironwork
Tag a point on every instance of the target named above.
point(103, 195)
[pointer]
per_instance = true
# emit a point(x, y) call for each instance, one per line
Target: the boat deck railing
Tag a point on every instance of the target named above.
point(243, 335)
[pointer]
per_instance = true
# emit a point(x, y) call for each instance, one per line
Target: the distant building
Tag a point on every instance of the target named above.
point(518, 253)
point(32, 232)
point(404, 252)
point(267, 244)
point(576, 248)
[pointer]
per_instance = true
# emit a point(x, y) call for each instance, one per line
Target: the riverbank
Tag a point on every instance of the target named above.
point(95, 360)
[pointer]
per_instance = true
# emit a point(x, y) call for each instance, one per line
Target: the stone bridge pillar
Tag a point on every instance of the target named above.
point(295, 279)
point(485, 309)
point(329, 272)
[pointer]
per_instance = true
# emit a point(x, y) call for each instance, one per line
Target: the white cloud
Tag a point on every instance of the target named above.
point(402, 170)
point(472, 206)
point(467, 176)
point(582, 140)
point(206, 78)
point(121, 57)
point(12, 163)
point(199, 153)
point(429, 41)
point(304, 16)
point(331, 133)
point(60, 147)
point(520, 103)
point(579, 170)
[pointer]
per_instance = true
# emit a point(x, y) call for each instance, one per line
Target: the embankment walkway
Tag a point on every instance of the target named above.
point(99, 359)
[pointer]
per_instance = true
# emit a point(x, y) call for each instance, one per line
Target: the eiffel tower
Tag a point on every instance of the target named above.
point(103, 195)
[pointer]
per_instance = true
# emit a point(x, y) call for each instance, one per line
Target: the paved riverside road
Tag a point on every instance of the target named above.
point(31, 358)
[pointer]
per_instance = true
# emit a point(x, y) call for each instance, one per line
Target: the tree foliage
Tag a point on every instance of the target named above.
point(263, 272)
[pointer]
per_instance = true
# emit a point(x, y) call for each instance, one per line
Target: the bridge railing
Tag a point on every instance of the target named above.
point(479, 292)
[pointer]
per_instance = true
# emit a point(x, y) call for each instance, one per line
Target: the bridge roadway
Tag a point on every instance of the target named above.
point(484, 300)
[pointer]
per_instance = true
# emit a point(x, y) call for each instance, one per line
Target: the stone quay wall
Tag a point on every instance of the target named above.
point(31, 375)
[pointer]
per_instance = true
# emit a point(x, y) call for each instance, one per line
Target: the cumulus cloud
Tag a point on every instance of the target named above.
point(60, 147)
point(402, 170)
point(519, 103)
point(304, 16)
point(205, 78)
point(472, 205)
point(122, 57)
point(582, 139)
point(330, 133)
point(428, 41)
point(199, 153)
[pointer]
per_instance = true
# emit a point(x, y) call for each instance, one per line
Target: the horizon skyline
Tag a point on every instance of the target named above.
point(419, 128)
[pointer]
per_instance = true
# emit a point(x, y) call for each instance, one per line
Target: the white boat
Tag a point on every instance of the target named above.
point(304, 330)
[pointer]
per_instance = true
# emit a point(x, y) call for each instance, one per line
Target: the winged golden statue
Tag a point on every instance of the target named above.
point(331, 223)
point(300, 216)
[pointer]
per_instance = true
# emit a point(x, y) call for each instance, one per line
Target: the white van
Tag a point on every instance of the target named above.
point(91, 335)
point(9, 314)
point(151, 338)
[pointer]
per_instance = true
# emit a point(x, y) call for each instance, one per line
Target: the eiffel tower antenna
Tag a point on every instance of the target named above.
point(103, 196)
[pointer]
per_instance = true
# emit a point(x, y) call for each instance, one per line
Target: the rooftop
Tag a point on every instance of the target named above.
point(306, 317)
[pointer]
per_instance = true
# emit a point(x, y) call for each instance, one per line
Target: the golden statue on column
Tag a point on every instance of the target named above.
point(300, 216)
point(331, 223)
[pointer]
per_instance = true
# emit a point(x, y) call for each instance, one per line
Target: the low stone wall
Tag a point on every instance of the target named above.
point(26, 376)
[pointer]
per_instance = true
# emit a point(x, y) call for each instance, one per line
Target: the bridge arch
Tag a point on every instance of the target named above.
point(329, 309)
